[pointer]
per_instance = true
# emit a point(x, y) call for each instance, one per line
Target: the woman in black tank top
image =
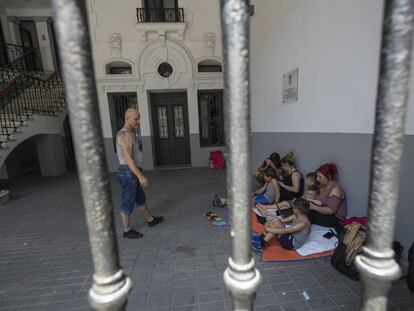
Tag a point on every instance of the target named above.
point(293, 184)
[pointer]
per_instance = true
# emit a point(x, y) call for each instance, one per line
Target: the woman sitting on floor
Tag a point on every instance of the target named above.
point(333, 208)
point(292, 185)
point(272, 161)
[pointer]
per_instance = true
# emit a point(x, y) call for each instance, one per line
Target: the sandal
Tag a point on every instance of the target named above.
point(217, 201)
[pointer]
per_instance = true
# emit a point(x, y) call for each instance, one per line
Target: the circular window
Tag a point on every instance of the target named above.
point(165, 70)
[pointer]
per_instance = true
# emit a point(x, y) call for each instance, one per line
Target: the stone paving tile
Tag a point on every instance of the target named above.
point(45, 261)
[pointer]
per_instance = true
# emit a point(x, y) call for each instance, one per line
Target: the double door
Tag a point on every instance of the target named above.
point(170, 128)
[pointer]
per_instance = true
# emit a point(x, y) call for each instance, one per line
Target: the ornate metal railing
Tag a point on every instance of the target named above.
point(10, 52)
point(26, 95)
point(28, 62)
point(166, 15)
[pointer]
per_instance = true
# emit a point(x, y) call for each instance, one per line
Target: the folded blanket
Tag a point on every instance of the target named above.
point(316, 243)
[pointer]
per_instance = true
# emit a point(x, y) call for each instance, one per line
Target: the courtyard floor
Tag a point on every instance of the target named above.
point(45, 263)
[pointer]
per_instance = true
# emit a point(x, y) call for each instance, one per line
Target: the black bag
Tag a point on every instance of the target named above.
point(398, 249)
point(410, 274)
point(343, 256)
point(338, 261)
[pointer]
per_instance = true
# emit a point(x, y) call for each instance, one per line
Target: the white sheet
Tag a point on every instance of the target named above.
point(316, 243)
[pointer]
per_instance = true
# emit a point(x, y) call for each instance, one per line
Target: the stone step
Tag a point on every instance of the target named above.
point(4, 196)
point(11, 124)
point(14, 117)
point(4, 138)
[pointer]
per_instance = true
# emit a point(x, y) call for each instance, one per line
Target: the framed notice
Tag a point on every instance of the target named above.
point(290, 86)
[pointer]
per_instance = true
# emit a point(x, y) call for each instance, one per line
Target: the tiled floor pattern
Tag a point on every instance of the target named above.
point(45, 262)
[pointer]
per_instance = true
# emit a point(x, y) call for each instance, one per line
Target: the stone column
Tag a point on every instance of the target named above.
point(14, 30)
point(51, 154)
point(45, 43)
point(5, 24)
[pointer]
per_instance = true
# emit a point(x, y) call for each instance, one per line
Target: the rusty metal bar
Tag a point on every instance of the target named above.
point(241, 277)
point(111, 286)
point(376, 263)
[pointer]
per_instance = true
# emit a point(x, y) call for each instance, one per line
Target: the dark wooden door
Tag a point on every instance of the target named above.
point(170, 128)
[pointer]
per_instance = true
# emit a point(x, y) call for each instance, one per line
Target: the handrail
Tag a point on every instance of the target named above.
point(19, 58)
point(26, 95)
point(12, 44)
point(29, 62)
point(24, 74)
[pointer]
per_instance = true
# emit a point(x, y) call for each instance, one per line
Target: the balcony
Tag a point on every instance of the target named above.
point(160, 15)
point(160, 22)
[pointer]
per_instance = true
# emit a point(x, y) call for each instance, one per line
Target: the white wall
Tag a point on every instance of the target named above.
point(335, 44)
point(107, 17)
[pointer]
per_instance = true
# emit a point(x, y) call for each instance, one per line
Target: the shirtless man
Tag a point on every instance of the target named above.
point(130, 176)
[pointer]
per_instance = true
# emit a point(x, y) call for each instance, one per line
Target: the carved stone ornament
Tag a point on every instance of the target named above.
point(115, 43)
point(210, 43)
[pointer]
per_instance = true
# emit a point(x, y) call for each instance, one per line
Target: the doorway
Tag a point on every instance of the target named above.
point(170, 128)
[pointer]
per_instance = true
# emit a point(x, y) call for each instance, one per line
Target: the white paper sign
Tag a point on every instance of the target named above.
point(290, 86)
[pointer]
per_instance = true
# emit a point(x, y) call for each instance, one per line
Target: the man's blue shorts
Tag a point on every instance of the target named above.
point(131, 192)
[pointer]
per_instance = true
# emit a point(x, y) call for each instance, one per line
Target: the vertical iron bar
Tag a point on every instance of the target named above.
point(376, 263)
point(111, 286)
point(241, 277)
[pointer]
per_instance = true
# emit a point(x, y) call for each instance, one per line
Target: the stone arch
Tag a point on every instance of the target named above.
point(176, 54)
point(210, 60)
point(118, 62)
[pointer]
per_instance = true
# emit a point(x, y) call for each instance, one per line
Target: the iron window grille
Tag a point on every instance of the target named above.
point(211, 118)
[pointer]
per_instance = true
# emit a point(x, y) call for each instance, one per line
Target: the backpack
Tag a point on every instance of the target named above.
point(349, 245)
point(217, 160)
point(410, 274)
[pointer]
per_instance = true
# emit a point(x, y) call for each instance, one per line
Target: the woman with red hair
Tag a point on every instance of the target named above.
point(333, 208)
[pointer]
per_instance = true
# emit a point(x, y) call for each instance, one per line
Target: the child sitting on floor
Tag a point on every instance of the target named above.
point(312, 195)
point(270, 192)
point(292, 237)
point(311, 183)
point(266, 195)
point(311, 179)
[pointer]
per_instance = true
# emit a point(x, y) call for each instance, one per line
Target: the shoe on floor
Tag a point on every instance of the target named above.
point(132, 234)
point(156, 221)
point(217, 201)
point(257, 243)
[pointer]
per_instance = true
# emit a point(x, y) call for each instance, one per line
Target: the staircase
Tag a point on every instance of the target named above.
point(32, 102)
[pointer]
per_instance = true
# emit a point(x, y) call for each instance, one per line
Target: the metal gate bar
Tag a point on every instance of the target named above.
point(241, 277)
point(376, 263)
point(110, 288)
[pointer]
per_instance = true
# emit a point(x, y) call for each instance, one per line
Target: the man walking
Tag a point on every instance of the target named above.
point(130, 176)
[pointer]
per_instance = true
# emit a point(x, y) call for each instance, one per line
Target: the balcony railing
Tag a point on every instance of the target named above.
point(165, 15)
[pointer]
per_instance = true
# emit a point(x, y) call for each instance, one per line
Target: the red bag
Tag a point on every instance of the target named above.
point(217, 160)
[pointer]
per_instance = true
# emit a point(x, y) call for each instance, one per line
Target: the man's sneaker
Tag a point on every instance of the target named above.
point(156, 221)
point(132, 234)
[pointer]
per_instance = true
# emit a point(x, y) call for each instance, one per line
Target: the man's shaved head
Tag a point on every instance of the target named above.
point(132, 118)
point(131, 112)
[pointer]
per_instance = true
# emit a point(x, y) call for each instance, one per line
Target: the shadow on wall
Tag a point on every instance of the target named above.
point(23, 160)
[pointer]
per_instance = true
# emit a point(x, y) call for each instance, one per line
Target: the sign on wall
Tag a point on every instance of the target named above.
point(290, 86)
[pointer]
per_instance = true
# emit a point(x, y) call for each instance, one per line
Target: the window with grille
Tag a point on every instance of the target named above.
point(211, 118)
point(118, 104)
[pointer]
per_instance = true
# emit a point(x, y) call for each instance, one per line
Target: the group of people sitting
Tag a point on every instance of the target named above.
point(284, 186)
point(284, 208)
